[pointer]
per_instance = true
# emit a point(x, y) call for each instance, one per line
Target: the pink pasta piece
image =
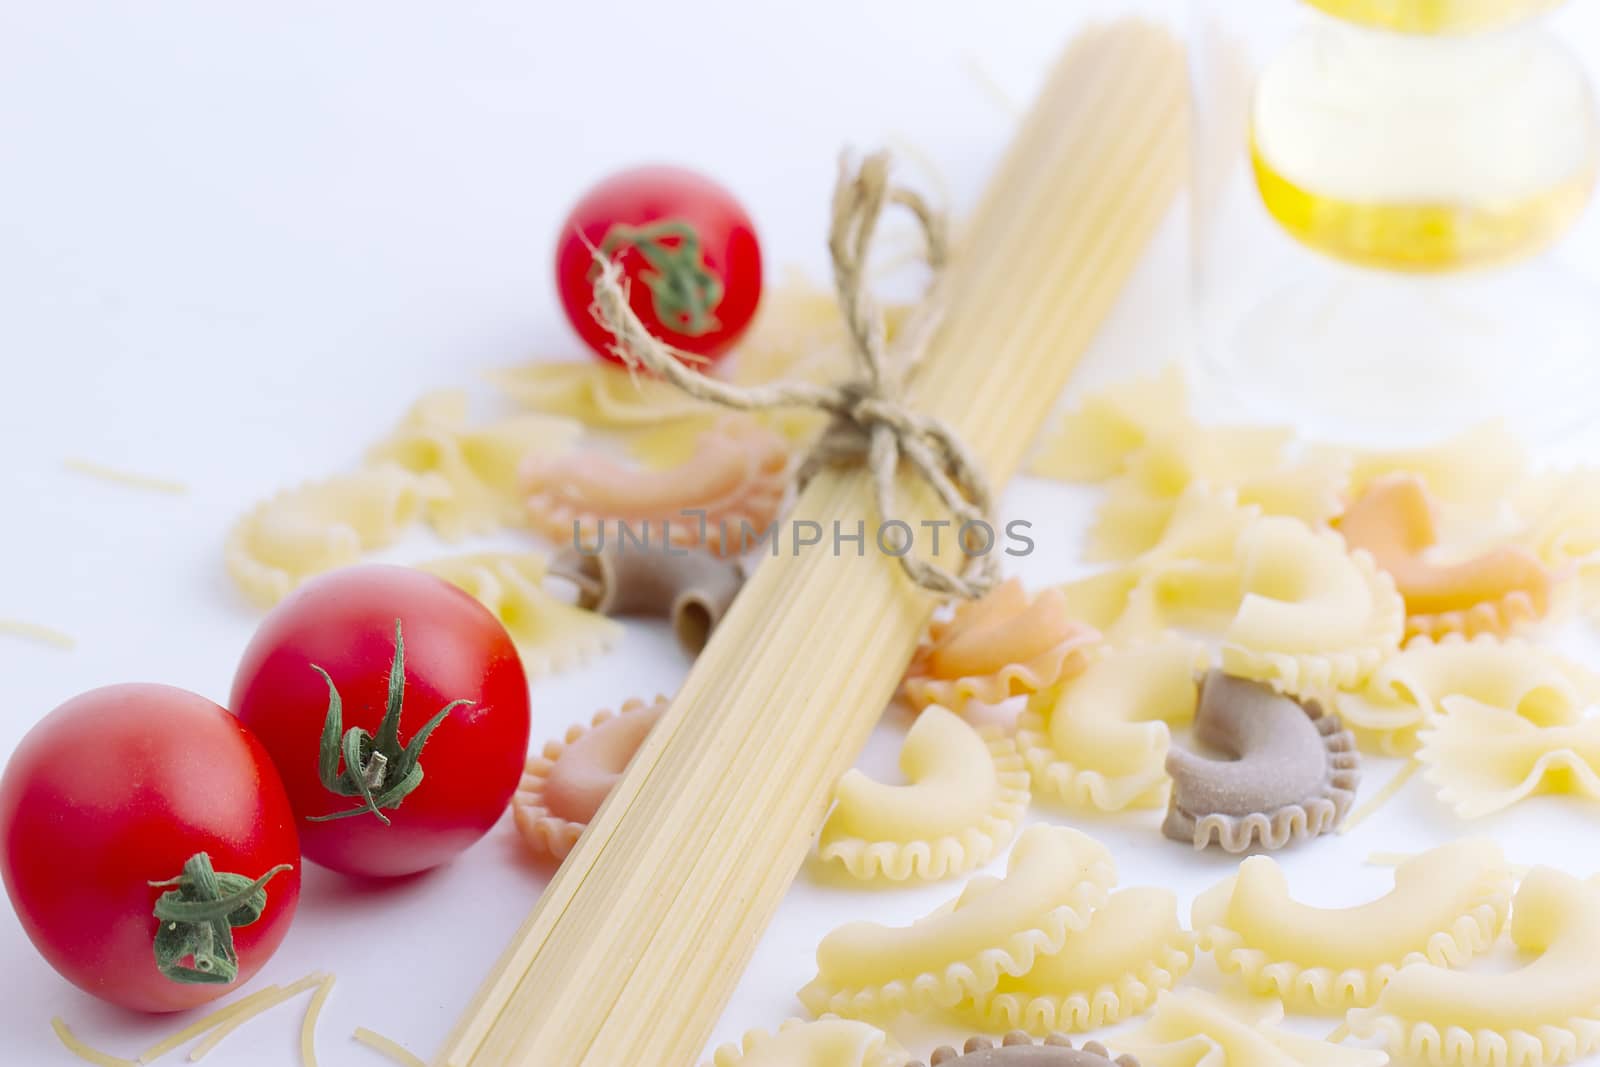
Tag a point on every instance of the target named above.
point(1001, 646)
point(724, 497)
point(563, 787)
point(1492, 593)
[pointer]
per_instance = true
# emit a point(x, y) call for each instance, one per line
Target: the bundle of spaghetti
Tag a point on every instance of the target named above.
point(637, 944)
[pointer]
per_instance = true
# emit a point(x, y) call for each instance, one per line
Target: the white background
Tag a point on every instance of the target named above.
point(237, 240)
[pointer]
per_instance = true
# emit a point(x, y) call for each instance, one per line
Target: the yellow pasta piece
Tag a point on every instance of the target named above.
point(480, 465)
point(32, 631)
point(1000, 646)
point(320, 526)
point(388, 1047)
point(1477, 468)
point(1562, 515)
point(308, 1025)
point(1249, 461)
point(1482, 759)
point(226, 1022)
point(1055, 877)
point(824, 1043)
point(597, 394)
point(967, 796)
point(1447, 906)
point(1092, 443)
point(1494, 592)
point(1545, 1012)
point(1311, 615)
point(84, 1052)
point(118, 476)
point(1101, 739)
point(551, 634)
point(1196, 1029)
point(1405, 693)
point(1133, 949)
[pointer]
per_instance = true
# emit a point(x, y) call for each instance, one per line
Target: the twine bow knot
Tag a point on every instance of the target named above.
point(870, 423)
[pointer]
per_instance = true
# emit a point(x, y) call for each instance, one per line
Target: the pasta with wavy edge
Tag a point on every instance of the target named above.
point(1478, 467)
point(1447, 906)
point(564, 785)
point(1312, 616)
point(723, 498)
point(1101, 739)
point(1404, 694)
point(1133, 948)
point(967, 796)
point(826, 1042)
point(1191, 571)
point(1483, 759)
point(1249, 461)
point(1093, 442)
point(551, 634)
point(1191, 1028)
point(995, 648)
point(1545, 1012)
point(1562, 515)
point(1495, 592)
point(480, 464)
point(318, 526)
point(1054, 878)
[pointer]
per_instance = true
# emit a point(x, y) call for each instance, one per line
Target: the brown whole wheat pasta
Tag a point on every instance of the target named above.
point(636, 945)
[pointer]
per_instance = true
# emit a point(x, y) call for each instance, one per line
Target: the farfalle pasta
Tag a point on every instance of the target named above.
point(822, 1043)
point(1195, 1029)
point(1100, 740)
point(1133, 949)
point(1407, 691)
point(1544, 1012)
point(966, 798)
point(1251, 462)
point(320, 526)
point(1288, 770)
point(723, 498)
point(997, 647)
point(478, 465)
point(1494, 592)
point(1483, 759)
point(1476, 468)
point(551, 634)
point(564, 785)
point(1093, 442)
point(1055, 877)
point(1448, 905)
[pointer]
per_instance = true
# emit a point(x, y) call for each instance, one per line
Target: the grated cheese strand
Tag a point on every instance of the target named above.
point(388, 1047)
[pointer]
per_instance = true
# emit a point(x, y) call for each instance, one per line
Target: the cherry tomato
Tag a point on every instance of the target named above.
point(137, 801)
point(387, 779)
point(687, 248)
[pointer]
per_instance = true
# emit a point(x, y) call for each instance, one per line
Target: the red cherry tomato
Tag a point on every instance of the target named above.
point(687, 248)
point(314, 685)
point(136, 801)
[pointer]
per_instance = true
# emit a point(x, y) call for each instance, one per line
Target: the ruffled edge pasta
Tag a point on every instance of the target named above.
point(1344, 668)
point(961, 979)
point(547, 834)
point(1472, 933)
point(1473, 801)
point(1109, 1003)
point(949, 854)
point(1061, 779)
point(1062, 660)
point(880, 1050)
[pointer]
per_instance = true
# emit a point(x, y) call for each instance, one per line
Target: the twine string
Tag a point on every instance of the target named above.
point(869, 421)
